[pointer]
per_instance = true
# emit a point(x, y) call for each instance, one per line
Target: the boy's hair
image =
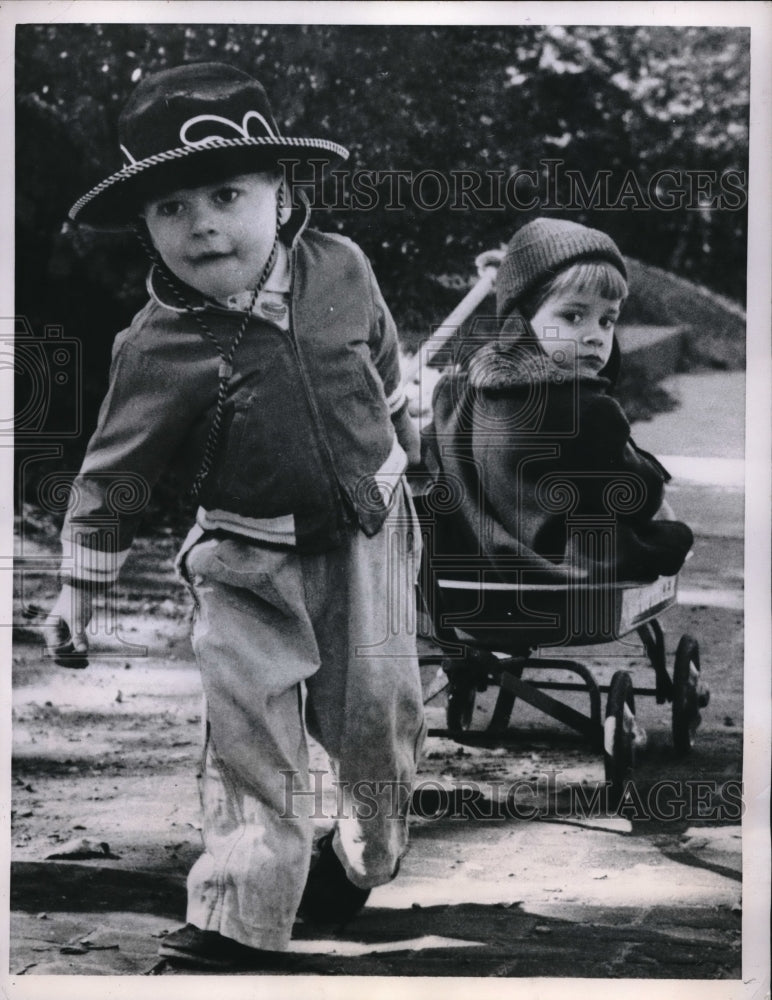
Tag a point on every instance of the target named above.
point(598, 277)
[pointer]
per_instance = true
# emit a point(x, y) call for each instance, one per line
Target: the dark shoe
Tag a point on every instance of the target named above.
point(330, 897)
point(193, 947)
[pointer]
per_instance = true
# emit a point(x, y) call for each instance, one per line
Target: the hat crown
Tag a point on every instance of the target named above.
point(544, 247)
point(193, 105)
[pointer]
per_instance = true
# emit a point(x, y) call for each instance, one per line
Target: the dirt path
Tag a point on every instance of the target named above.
point(543, 888)
point(110, 755)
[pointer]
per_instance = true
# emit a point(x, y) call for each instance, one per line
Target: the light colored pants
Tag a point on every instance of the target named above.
point(267, 621)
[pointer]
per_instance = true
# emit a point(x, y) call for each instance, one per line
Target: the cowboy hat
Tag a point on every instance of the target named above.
point(191, 125)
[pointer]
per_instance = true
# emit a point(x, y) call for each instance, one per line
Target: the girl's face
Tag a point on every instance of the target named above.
point(576, 329)
point(217, 237)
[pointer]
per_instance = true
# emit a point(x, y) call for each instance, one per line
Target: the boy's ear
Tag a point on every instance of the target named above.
point(283, 202)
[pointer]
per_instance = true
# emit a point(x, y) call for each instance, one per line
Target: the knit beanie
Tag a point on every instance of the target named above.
point(544, 247)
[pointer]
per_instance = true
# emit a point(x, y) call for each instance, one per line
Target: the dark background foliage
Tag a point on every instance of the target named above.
point(613, 99)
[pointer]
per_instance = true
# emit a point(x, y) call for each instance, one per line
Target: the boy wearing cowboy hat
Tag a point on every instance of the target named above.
point(265, 366)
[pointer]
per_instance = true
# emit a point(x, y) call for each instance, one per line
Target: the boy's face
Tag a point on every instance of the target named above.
point(217, 237)
point(583, 318)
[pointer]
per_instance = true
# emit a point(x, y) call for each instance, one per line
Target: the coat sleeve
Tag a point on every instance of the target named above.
point(141, 422)
point(384, 346)
point(600, 456)
point(384, 350)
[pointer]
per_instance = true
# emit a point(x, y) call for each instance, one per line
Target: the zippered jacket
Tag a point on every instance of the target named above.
point(307, 437)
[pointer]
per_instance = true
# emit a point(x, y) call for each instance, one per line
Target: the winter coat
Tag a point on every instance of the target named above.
point(538, 479)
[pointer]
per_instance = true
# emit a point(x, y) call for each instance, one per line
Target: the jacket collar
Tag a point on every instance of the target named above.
point(161, 293)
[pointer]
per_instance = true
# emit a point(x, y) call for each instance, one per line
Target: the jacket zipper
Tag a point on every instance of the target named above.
point(332, 472)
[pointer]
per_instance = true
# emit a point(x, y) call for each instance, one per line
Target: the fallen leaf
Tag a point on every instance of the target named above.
point(80, 848)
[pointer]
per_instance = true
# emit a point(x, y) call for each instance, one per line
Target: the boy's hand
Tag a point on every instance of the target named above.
point(408, 436)
point(64, 627)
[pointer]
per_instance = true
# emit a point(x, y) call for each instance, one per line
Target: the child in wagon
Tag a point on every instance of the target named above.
point(265, 365)
point(539, 449)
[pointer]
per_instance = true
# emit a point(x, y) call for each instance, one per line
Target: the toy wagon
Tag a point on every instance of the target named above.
point(493, 633)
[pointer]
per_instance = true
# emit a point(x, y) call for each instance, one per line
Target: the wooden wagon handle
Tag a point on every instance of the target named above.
point(487, 267)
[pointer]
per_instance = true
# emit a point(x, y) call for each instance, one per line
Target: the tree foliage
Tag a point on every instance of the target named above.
point(616, 103)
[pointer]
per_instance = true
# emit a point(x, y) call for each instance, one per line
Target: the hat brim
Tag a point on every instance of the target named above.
point(115, 203)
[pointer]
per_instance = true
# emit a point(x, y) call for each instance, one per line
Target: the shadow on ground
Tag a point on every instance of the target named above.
point(446, 940)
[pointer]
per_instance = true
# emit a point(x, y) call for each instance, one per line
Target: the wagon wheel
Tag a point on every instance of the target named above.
point(461, 699)
point(621, 736)
point(689, 694)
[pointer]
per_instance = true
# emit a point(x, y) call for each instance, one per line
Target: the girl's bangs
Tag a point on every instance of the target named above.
point(598, 277)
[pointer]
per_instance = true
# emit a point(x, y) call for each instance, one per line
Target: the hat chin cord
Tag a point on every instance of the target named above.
point(225, 370)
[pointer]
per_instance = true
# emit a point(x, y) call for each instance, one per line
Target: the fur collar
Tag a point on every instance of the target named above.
point(498, 366)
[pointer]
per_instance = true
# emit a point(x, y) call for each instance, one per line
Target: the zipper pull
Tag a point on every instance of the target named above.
point(225, 371)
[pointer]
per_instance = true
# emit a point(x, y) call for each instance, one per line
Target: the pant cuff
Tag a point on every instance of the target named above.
point(231, 926)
